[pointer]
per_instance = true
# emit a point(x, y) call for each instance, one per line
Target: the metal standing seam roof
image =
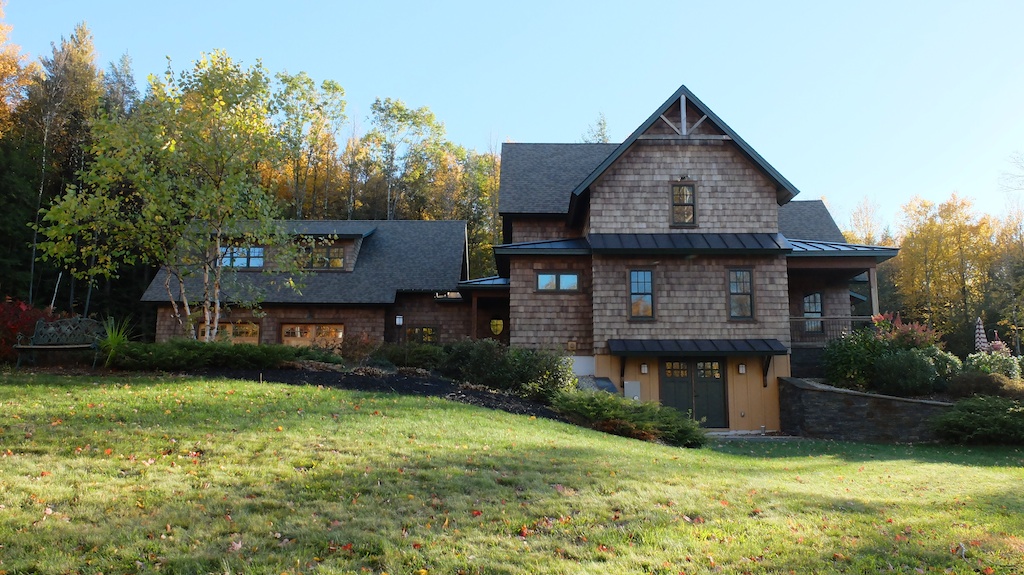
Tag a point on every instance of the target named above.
point(808, 248)
point(396, 256)
point(690, 243)
point(492, 282)
point(696, 347)
point(570, 246)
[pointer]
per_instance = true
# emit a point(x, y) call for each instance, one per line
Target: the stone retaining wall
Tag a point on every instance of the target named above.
point(811, 409)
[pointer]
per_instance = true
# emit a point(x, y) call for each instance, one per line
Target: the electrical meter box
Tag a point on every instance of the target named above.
point(631, 389)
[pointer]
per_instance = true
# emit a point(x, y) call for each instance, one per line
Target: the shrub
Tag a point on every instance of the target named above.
point(534, 374)
point(902, 335)
point(421, 355)
point(187, 354)
point(17, 317)
point(947, 366)
point(543, 375)
point(850, 360)
point(986, 420)
point(904, 372)
point(640, 420)
point(993, 363)
point(970, 383)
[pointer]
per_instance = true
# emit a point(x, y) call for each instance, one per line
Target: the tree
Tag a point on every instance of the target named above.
point(309, 120)
point(63, 104)
point(15, 76)
point(119, 92)
point(597, 133)
point(946, 252)
point(395, 143)
point(174, 183)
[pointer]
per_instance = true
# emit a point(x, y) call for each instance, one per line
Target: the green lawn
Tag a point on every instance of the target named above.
point(175, 475)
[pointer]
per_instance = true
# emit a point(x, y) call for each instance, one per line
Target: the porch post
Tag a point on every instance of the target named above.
point(473, 328)
point(873, 283)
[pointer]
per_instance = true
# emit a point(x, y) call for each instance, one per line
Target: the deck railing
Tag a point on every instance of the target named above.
point(817, 331)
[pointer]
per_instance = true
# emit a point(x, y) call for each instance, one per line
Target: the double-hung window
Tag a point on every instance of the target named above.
point(741, 294)
point(641, 294)
point(812, 308)
point(684, 204)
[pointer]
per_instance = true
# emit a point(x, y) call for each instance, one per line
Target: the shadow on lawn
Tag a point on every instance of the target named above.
point(972, 456)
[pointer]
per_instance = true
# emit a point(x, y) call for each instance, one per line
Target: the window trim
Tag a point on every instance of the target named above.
point(632, 293)
point(421, 334)
point(730, 294)
point(559, 274)
point(327, 251)
point(672, 203)
point(241, 257)
point(814, 324)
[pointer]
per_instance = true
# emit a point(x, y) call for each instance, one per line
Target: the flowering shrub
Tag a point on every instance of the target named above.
point(17, 317)
point(893, 357)
point(997, 362)
point(911, 335)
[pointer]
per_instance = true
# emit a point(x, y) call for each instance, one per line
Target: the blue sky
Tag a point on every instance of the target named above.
point(883, 100)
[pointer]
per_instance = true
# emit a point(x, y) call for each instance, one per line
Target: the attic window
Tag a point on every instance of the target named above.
point(241, 257)
point(684, 203)
point(327, 257)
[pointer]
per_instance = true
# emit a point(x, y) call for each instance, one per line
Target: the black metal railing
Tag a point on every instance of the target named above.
point(817, 331)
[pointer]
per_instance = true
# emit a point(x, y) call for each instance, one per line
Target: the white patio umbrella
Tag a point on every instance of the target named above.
point(980, 340)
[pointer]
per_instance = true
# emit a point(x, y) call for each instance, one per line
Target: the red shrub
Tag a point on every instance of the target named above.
point(17, 317)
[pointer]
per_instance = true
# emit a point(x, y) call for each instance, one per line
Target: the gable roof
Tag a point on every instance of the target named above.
point(785, 191)
point(395, 256)
point(809, 220)
point(536, 178)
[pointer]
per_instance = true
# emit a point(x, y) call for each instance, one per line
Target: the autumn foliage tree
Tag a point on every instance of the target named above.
point(943, 268)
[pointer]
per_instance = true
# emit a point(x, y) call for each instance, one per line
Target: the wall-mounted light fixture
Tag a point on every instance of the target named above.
point(742, 368)
point(399, 320)
point(643, 368)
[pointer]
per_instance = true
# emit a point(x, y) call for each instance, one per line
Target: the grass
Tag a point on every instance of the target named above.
point(184, 475)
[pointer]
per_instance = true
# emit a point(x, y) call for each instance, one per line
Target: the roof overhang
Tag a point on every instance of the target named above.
point(696, 347)
point(690, 244)
point(817, 249)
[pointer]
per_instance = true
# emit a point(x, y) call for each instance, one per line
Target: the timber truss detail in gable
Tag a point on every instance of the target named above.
point(682, 131)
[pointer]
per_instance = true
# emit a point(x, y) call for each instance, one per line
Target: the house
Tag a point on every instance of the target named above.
point(370, 281)
point(674, 267)
point(674, 264)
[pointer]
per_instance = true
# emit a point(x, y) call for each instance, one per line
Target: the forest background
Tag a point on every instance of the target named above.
point(955, 264)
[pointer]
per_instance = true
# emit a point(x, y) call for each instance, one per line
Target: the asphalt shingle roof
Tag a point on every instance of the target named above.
point(396, 256)
point(539, 178)
point(808, 220)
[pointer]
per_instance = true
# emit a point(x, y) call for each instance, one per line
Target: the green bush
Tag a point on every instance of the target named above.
point(971, 383)
point(534, 374)
point(993, 363)
point(421, 355)
point(188, 354)
point(640, 420)
point(984, 420)
point(904, 373)
point(947, 366)
point(850, 360)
